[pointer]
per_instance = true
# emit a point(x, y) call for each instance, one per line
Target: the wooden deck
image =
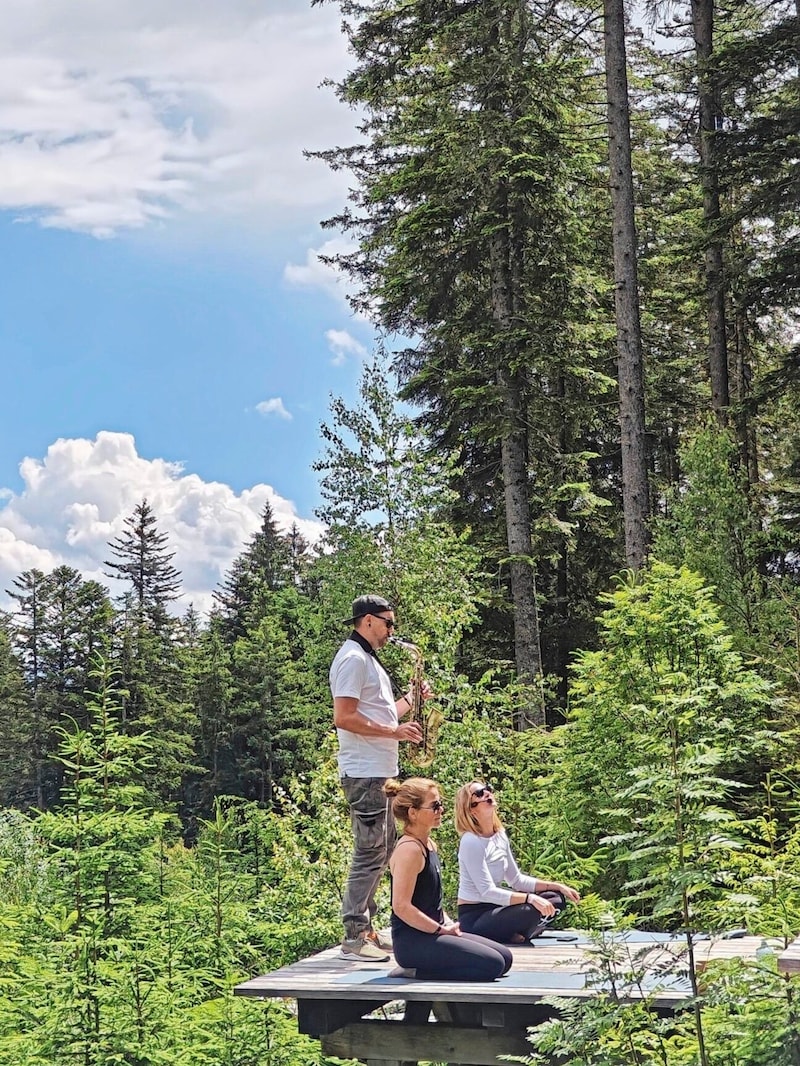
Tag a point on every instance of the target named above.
point(789, 960)
point(356, 1008)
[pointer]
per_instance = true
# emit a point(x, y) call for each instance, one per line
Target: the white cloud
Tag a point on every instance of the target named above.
point(316, 274)
point(114, 115)
point(78, 496)
point(342, 344)
point(273, 406)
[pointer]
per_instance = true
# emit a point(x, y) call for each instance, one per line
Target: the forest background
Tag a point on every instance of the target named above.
point(573, 468)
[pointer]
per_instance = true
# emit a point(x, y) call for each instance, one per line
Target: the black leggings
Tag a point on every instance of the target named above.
point(441, 957)
point(505, 924)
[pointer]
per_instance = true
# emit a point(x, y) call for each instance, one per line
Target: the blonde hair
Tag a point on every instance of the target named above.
point(407, 794)
point(465, 819)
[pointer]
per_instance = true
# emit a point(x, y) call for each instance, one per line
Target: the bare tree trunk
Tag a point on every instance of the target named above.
point(630, 370)
point(504, 259)
point(514, 453)
point(710, 121)
point(514, 449)
point(743, 374)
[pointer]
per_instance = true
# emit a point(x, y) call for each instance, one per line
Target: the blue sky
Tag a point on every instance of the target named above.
point(166, 327)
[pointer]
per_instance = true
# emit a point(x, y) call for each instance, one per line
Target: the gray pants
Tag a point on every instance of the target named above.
point(374, 836)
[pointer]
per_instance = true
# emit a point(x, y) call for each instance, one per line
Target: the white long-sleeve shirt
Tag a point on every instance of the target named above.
point(483, 864)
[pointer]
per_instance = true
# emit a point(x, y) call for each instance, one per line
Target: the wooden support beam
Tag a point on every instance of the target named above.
point(316, 1017)
point(789, 960)
point(393, 1042)
point(389, 1062)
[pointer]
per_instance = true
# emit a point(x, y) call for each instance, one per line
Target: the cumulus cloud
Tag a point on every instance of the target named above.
point(274, 406)
point(114, 115)
point(78, 496)
point(342, 344)
point(315, 273)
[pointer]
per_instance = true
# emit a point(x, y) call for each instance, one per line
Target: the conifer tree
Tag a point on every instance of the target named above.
point(212, 698)
point(59, 622)
point(29, 624)
point(264, 564)
point(384, 502)
point(756, 67)
point(630, 370)
point(16, 754)
point(299, 555)
point(471, 180)
point(143, 562)
point(664, 654)
point(145, 650)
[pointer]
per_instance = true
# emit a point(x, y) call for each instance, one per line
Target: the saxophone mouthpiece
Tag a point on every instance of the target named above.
point(401, 642)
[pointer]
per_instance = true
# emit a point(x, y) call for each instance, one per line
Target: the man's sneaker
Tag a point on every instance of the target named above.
point(363, 950)
point(383, 940)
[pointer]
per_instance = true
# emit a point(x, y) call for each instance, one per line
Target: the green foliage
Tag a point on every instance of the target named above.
point(749, 1016)
point(143, 561)
point(765, 874)
point(475, 179)
point(710, 528)
point(479, 210)
point(665, 678)
point(120, 946)
point(385, 499)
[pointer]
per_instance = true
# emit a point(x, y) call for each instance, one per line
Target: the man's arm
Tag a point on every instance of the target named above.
point(405, 703)
point(346, 715)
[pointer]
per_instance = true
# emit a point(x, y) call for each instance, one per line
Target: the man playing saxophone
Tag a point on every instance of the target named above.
point(367, 719)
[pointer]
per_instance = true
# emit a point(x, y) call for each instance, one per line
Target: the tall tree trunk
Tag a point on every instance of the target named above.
point(514, 451)
point(630, 369)
point(504, 262)
point(743, 374)
point(514, 455)
point(710, 121)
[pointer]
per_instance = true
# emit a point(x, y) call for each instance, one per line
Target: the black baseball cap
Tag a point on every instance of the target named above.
point(367, 605)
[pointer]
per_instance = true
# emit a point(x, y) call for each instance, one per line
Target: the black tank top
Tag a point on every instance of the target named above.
point(427, 895)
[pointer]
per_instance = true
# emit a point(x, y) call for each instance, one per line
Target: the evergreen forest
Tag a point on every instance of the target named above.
point(573, 466)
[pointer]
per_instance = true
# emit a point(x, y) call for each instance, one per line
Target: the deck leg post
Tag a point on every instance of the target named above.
point(389, 1062)
point(417, 1011)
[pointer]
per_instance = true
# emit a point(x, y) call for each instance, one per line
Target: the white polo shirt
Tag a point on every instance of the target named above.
point(356, 674)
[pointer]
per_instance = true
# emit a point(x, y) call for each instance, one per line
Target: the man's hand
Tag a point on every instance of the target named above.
point(409, 731)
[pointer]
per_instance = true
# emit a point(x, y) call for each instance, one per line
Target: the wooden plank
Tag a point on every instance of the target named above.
point(550, 967)
point(789, 960)
point(429, 1043)
point(315, 1017)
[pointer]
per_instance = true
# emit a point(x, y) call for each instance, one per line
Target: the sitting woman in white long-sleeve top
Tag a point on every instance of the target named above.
point(510, 915)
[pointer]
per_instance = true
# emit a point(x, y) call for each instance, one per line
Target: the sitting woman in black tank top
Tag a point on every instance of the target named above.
point(427, 944)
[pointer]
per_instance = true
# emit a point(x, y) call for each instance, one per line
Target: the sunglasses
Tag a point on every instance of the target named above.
point(436, 806)
point(481, 794)
point(389, 621)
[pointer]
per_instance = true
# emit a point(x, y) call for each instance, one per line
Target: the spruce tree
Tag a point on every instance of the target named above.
point(630, 369)
point(59, 621)
point(154, 693)
point(266, 563)
point(468, 211)
point(665, 662)
point(16, 755)
point(143, 562)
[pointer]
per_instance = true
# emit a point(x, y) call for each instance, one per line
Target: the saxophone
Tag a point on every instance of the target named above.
point(428, 718)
